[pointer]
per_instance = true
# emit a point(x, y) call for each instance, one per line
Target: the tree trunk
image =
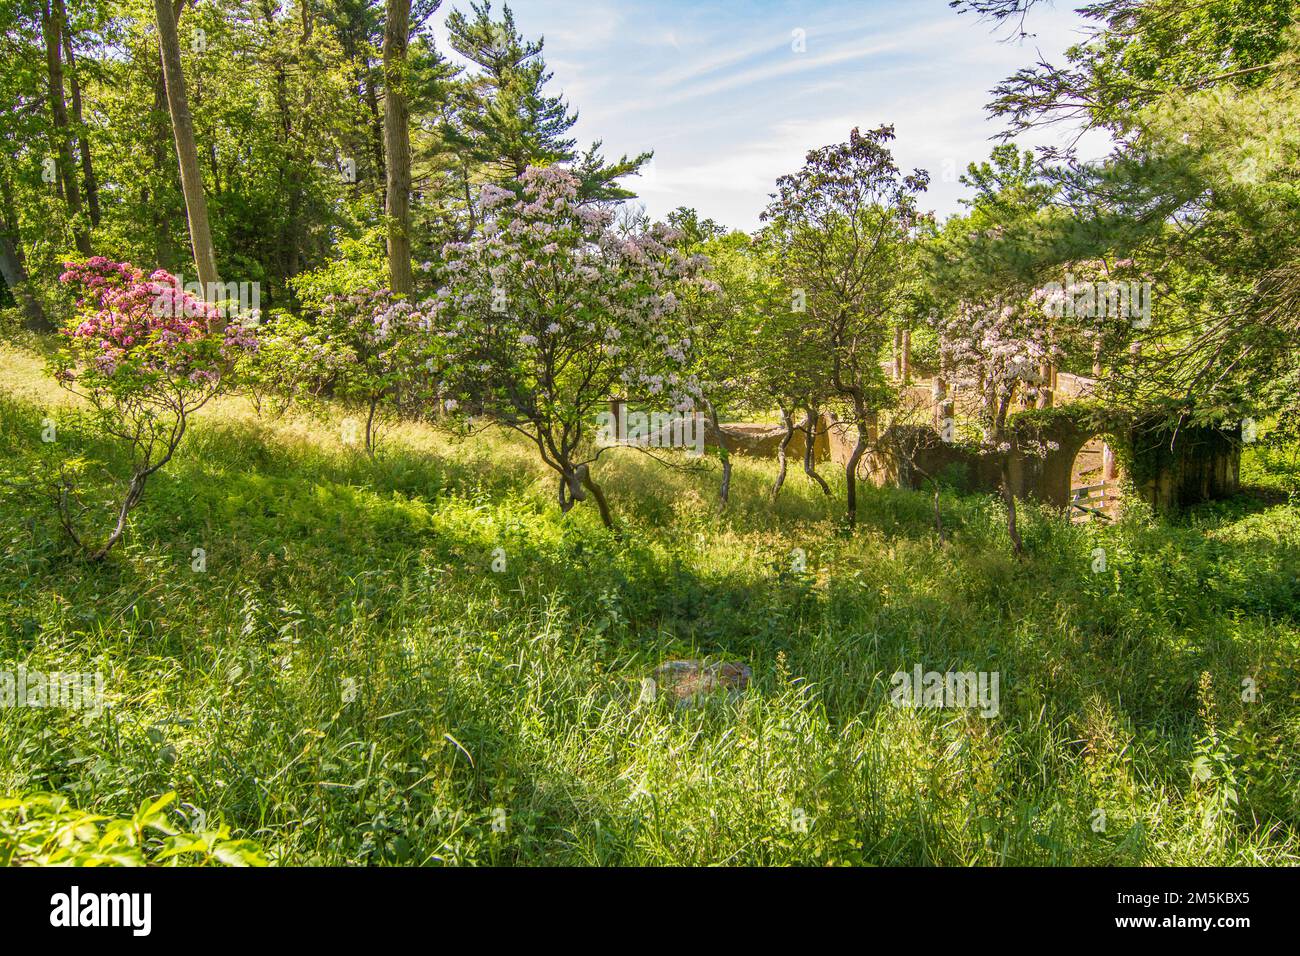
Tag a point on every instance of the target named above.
point(898, 353)
point(584, 475)
point(810, 436)
point(376, 132)
point(15, 277)
point(370, 427)
point(53, 24)
point(397, 146)
point(83, 139)
point(570, 488)
point(1008, 496)
point(724, 487)
point(787, 420)
point(907, 356)
point(13, 268)
point(851, 478)
point(865, 421)
point(187, 155)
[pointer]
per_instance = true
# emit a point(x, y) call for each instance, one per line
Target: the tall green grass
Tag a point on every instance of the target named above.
point(349, 682)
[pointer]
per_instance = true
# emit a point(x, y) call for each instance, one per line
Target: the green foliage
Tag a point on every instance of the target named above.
point(359, 264)
point(43, 829)
point(354, 679)
point(1201, 99)
point(293, 366)
point(752, 348)
point(287, 106)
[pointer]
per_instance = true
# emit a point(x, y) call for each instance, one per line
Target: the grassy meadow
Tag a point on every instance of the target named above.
point(348, 681)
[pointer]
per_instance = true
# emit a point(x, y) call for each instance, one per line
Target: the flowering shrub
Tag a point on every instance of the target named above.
point(292, 364)
point(549, 311)
point(131, 331)
point(1000, 347)
point(379, 349)
point(141, 352)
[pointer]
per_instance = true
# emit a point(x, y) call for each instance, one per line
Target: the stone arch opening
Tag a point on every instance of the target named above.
point(1096, 480)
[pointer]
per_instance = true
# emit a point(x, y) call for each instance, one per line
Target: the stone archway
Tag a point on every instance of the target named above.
point(1096, 480)
point(1167, 467)
point(1047, 476)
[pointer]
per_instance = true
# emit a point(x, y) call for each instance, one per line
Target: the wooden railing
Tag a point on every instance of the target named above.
point(1092, 499)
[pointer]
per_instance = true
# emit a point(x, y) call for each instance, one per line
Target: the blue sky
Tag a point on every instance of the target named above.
point(719, 91)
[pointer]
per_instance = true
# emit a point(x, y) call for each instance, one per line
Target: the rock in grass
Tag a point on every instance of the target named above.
point(688, 682)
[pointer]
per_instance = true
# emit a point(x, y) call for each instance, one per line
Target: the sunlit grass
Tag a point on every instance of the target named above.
point(350, 682)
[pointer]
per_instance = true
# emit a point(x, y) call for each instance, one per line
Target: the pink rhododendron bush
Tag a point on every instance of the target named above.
point(549, 310)
point(145, 354)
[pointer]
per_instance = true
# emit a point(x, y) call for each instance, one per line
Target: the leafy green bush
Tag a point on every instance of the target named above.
point(359, 263)
point(43, 829)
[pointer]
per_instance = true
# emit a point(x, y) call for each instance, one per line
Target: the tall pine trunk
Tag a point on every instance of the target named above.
point(78, 117)
point(53, 25)
point(187, 154)
point(397, 146)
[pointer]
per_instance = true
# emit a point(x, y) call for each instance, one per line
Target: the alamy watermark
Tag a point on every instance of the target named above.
point(56, 689)
point(1130, 301)
point(130, 910)
point(654, 430)
point(960, 689)
point(232, 300)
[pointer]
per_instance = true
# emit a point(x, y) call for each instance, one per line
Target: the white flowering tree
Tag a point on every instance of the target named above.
point(549, 311)
point(998, 348)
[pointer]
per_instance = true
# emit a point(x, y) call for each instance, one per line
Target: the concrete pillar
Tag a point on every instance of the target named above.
point(617, 411)
point(1109, 469)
